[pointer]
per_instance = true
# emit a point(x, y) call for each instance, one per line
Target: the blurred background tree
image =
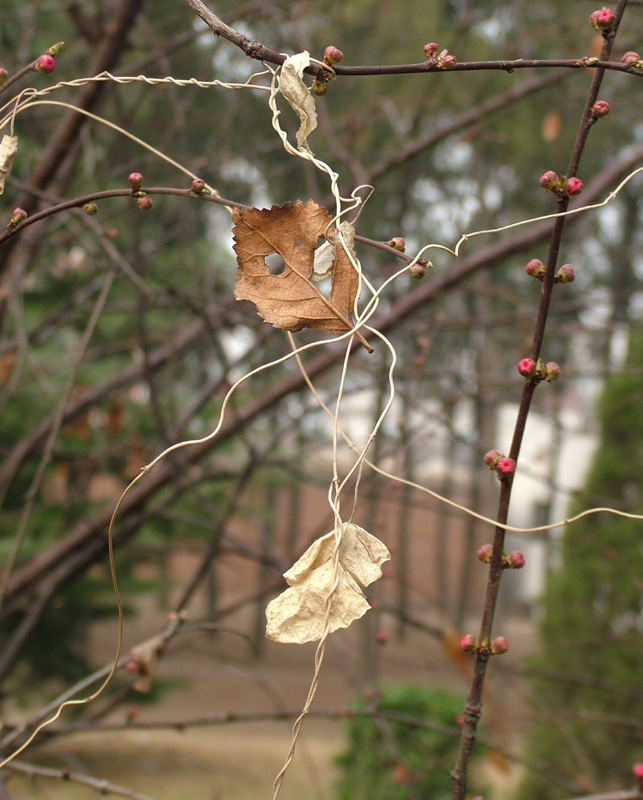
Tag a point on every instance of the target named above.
point(591, 631)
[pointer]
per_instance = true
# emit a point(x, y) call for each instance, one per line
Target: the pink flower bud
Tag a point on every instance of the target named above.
point(90, 209)
point(3, 76)
point(499, 646)
point(417, 271)
point(552, 371)
point(446, 61)
point(515, 560)
point(45, 64)
point(526, 367)
point(318, 88)
point(535, 269)
point(637, 771)
point(573, 186)
point(397, 243)
point(430, 49)
point(332, 55)
point(484, 553)
point(565, 274)
point(18, 215)
point(600, 109)
point(630, 57)
point(135, 181)
point(381, 637)
point(144, 203)
point(131, 667)
point(505, 468)
point(602, 20)
point(198, 187)
point(491, 458)
point(469, 643)
point(550, 180)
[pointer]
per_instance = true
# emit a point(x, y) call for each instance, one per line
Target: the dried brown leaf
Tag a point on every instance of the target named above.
point(298, 614)
point(291, 301)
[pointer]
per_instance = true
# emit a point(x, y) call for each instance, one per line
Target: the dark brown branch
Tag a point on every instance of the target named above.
point(473, 707)
point(258, 51)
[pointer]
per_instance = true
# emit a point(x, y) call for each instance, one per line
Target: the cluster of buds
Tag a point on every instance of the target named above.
point(560, 185)
point(443, 60)
point(332, 55)
point(144, 202)
point(513, 560)
point(603, 20)
point(536, 270)
point(198, 187)
point(470, 644)
point(503, 466)
point(397, 243)
point(537, 371)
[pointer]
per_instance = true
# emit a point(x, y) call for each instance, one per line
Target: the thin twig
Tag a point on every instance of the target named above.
point(473, 707)
point(97, 784)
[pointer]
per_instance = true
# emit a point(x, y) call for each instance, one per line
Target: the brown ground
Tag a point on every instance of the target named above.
point(206, 676)
point(239, 761)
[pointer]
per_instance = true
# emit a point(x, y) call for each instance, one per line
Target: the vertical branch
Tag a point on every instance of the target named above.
point(473, 706)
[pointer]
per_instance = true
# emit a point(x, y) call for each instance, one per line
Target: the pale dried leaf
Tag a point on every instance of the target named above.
point(145, 656)
point(325, 253)
point(298, 615)
point(296, 92)
point(8, 149)
point(291, 301)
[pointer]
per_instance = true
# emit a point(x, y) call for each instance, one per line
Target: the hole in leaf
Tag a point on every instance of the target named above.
point(275, 263)
point(297, 242)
